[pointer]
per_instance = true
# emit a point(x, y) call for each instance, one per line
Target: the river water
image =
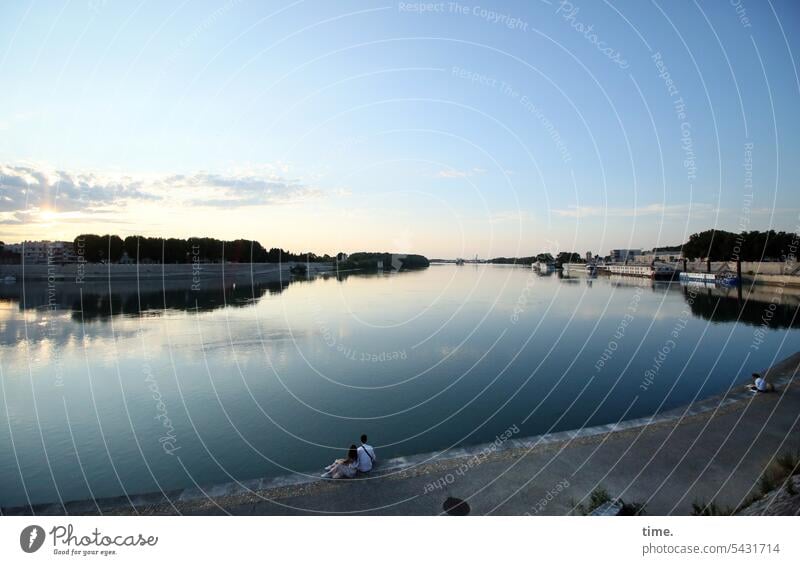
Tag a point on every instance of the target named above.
point(113, 389)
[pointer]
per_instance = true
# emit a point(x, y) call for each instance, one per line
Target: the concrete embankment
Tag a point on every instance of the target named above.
point(748, 267)
point(772, 273)
point(80, 272)
point(714, 449)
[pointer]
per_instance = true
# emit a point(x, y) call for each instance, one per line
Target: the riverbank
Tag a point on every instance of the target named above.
point(82, 272)
point(714, 449)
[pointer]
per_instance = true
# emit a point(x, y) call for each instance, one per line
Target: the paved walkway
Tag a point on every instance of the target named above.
point(715, 449)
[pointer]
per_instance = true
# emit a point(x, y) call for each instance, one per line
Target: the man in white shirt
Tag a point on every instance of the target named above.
point(761, 383)
point(366, 456)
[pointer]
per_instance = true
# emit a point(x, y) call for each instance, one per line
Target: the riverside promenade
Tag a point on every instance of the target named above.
point(715, 449)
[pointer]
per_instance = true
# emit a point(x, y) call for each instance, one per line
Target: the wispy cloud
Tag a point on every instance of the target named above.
point(20, 217)
point(459, 174)
point(779, 210)
point(232, 190)
point(666, 210)
point(510, 216)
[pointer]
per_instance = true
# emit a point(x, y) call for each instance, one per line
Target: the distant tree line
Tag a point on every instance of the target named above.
point(560, 259)
point(546, 257)
point(569, 257)
point(112, 248)
point(719, 245)
point(513, 260)
point(363, 261)
point(667, 249)
point(716, 245)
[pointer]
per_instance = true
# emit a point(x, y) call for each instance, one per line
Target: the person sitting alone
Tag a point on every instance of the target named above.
point(343, 468)
point(366, 456)
point(760, 383)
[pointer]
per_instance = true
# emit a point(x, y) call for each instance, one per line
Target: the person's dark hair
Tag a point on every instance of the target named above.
point(363, 438)
point(352, 453)
point(756, 376)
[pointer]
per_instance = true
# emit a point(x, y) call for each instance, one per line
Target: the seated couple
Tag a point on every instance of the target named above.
point(760, 384)
point(358, 460)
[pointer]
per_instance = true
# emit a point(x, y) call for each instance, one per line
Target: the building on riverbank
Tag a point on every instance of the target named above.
point(661, 255)
point(623, 255)
point(44, 252)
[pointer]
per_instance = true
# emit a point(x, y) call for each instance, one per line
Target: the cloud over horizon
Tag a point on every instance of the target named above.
point(28, 187)
point(232, 190)
point(32, 194)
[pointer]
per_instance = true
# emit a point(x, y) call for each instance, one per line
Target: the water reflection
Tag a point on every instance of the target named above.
point(99, 301)
point(773, 307)
point(278, 380)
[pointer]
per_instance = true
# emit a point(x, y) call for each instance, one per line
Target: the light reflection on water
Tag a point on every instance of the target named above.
point(265, 379)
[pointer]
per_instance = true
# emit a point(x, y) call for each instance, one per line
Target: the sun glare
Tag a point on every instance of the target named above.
point(48, 215)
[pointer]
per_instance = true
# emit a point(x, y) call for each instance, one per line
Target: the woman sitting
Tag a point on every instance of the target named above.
point(343, 468)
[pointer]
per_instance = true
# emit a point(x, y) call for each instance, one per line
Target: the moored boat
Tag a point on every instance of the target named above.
point(723, 279)
point(652, 271)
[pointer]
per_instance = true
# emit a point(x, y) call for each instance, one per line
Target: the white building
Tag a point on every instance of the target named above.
point(622, 255)
point(661, 256)
point(44, 252)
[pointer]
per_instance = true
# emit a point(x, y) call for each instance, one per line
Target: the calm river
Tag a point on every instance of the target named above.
point(106, 392)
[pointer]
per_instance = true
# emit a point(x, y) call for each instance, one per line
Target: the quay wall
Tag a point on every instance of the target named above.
point(765, 268)
point(77, 272)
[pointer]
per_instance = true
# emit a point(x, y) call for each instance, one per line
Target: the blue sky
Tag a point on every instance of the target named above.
point(449, 128)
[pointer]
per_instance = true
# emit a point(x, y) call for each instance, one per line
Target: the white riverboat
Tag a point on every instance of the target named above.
point(654, 271)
